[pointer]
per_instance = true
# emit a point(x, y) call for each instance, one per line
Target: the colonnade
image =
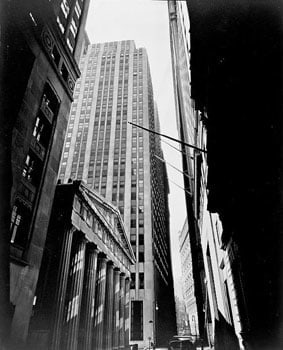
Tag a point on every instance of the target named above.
point(92, 299)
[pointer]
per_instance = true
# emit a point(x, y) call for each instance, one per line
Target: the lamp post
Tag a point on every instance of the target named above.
point(149, 338)
point(194, 321)
point(154, 322)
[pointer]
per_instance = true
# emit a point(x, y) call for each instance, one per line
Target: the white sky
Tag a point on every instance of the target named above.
point(146, 22)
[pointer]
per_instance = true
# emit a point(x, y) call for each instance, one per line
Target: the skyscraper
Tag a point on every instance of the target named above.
point(118, 160)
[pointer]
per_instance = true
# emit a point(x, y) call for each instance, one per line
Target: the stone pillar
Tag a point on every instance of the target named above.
point(109, 305)
point(115, 341)
point(75, 294)
point(122, 312)
point(100, 303)
point(127, 312)
point(88, 299)
point(61, 287)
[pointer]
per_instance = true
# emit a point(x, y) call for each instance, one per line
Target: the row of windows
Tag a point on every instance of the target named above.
point(140, 281)
point(65, 23)
point(33, 167)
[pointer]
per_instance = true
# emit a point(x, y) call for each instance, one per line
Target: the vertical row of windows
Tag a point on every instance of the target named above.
point(119, 161)
point(84, 89)
point(158, 195)
point(137, 159)
point(68, 20)
point(102, 124)
point(32, 170)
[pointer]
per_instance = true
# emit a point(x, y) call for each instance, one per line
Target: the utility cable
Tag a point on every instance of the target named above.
point(180, 171)
point(169, 137)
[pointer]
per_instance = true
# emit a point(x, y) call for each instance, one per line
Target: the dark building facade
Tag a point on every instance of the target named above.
point(187, 121)
point(87, 262)
point(42, 42)
point(236, 83)
point(214, 308)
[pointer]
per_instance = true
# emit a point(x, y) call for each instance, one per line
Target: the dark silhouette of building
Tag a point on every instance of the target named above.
point(236, 83)
point(41, 42)
point(210, 294)
point(187, 124)
point(83, 293)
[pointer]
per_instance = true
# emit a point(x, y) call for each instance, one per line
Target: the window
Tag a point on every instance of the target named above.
point(70, 44)
point(20, 220)
point(141, 258)
point(32, 169)
point(65, 8)
point(137, 320)
point(73, 28)
point(141, 239)
point(60, 25)
point(64, 72)
point(133, 238)
point(55, 55)
point(78, 9)
point(50, 99)
point(133, 281)
point(42, 130)
point(141, 280)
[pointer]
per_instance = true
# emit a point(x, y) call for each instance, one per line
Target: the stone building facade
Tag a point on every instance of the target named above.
point(82, 298)
point(44, 42)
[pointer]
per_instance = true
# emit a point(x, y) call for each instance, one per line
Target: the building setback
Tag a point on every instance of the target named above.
point(87, 262)
point(119, 162)
point(43, 42)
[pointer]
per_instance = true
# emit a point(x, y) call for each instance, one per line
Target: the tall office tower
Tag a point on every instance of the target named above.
point(43, 41)
point(119, 161)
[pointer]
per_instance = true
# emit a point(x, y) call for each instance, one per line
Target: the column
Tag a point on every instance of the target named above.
point(115, 340)
point(122, 312)
point(109, 305)
point(100, 303)
point(61, 287)
point(88, 298)
point(127, 312)
point(75, 293)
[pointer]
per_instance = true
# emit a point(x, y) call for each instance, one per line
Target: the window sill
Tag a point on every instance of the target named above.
point(16, 256)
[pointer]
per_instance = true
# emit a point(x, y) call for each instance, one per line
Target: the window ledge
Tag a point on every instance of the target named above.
point(18, 261)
